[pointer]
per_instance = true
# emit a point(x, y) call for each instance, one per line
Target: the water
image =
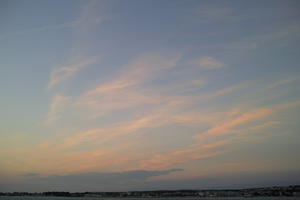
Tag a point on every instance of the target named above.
point(171, 198)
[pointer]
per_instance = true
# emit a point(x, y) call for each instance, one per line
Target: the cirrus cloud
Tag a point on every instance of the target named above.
point(207, 63)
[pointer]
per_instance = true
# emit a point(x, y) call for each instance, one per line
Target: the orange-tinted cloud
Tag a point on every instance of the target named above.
point(164, 161)
point(229, 125)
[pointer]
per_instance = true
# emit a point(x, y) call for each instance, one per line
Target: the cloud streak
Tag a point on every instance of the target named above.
point(104, 98)
point(118, 130)
point(283, 82)
point(86, 18)
point(244, 118)
point(212, 143)
point(62, 73)
point(207, 63)
point(56, 107)
point(200, 152)
point(142, 69)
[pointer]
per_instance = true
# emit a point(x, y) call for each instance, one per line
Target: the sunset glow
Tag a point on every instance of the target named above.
point(129, 95)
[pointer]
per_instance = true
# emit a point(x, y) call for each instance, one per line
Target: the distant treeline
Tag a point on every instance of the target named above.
point(265, 191)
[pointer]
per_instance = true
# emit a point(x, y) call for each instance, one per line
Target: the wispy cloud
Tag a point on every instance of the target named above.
point(88, 17)
point(207, 62)
point(140, 70)
point(131, 85)
point(290, 31)
point(283, 82)
point(118, 130)
point(168, 110)
point(163, 161)
point(62, 73)
point(105, 96)
point(57, 104)
point(228, 126)
point(210, 14)
point(212, 142)
point(51, 27)
point(224, 91)
point(162, 110)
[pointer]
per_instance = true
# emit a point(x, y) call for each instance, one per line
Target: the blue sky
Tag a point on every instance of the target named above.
point(178, 91)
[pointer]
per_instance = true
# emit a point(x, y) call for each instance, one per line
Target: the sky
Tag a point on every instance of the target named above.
point(143, 95)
